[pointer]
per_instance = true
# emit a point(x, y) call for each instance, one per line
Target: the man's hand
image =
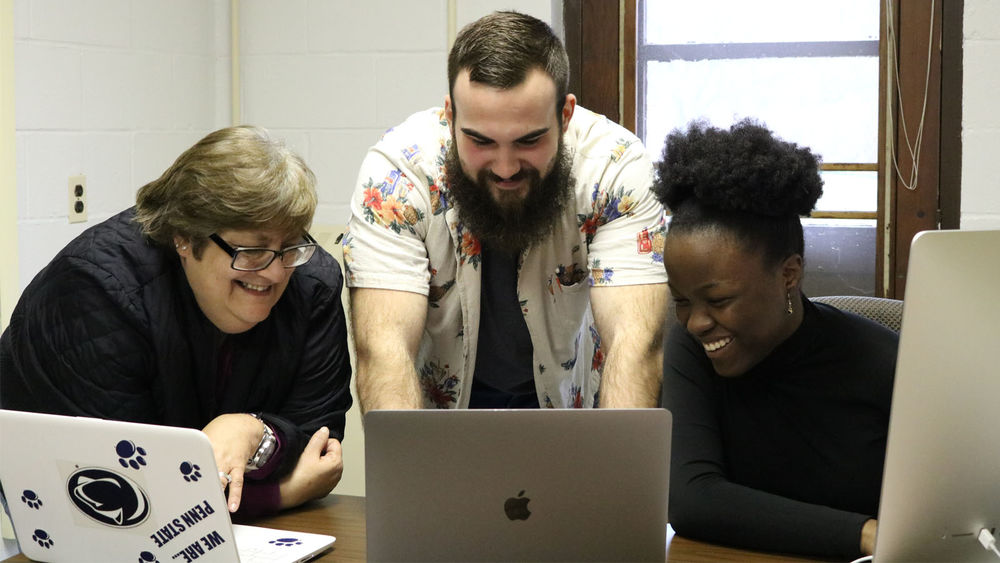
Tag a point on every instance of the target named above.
point(317, 472)
point(234, 439)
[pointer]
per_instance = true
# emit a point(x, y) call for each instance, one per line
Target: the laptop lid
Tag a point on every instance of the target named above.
point(86, 489)
point(517, 485)
point(941, 484)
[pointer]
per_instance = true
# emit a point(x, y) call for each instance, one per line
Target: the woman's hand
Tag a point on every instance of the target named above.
point(234, 439)
point(317, 472)
point(868, 537)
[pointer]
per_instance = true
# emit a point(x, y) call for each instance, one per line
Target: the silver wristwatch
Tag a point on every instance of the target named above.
point(268, 443)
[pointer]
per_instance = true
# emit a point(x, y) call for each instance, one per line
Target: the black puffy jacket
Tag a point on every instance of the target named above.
point(110, 329)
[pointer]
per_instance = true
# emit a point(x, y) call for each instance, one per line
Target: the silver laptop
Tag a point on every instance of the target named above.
point(941, 484)
point(85, 489)
point(517, 485)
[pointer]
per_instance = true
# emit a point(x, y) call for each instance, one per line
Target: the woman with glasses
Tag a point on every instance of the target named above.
point(207, 305)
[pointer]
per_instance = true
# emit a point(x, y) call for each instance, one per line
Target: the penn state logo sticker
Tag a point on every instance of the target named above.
point(107, 497)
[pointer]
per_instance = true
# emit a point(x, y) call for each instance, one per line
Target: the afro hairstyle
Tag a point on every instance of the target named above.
point(743, 180)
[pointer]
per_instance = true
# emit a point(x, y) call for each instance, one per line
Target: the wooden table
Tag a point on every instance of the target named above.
point(344, 517)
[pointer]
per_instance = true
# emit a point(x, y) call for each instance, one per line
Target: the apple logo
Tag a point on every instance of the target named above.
point(517, 507)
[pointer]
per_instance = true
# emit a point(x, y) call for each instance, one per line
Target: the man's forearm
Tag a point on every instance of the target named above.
point(631, 378)
point(630, 322)
point(388, 387)
point(388, 326)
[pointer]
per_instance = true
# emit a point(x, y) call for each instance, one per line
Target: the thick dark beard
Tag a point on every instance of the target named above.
point(511, 224)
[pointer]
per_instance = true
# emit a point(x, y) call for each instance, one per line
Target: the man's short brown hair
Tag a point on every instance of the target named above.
point(500, 49)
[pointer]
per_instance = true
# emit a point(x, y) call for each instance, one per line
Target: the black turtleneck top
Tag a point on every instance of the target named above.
point(787, 457)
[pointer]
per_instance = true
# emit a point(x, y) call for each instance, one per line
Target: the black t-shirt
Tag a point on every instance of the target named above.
point(504, 377)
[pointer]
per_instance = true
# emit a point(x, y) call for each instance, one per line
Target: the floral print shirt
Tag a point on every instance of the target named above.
point(405, 234)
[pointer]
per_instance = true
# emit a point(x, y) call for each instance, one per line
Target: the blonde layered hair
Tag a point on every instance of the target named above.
point(237, 178)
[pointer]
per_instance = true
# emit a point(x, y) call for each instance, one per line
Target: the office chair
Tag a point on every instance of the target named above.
point(886, 312)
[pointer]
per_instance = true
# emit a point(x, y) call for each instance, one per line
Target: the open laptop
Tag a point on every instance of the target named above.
point(517, 485)
point(86, 489)
point(941, 484)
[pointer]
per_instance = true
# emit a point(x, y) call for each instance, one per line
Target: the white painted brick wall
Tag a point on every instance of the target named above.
point(107, 158)
point(419, 78)
point(90, 22)
point(22, 19)
point(980, 118)
point(154, 151)
point(307, 91)
point(51, 157)
point(175, 26)
point(274, 27)
point(47, 86)
point(335, 156)
point(21, 169)
point(105, 75)
point(378, 26)
point(114, 89)
point(330, 76)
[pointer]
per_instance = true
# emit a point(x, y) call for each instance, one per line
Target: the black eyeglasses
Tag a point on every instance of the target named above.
point(251, 259)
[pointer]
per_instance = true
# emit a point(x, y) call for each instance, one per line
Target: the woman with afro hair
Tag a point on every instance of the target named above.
point(780, 405)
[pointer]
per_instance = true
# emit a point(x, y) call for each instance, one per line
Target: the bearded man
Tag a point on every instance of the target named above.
point(506, 251)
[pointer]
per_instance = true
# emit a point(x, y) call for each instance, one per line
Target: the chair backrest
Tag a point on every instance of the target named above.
point(886, 312)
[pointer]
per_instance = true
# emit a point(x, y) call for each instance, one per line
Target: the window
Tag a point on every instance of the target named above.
point(810, 71)
point(920, 50)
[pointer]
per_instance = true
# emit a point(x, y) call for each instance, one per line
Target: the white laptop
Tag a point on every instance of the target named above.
point(85, 489)
point(941, 484)
point(517, 485)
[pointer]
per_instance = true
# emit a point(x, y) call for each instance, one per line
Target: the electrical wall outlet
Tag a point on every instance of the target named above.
point(77, 199)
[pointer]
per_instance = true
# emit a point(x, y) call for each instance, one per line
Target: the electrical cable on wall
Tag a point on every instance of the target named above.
point(893, 54)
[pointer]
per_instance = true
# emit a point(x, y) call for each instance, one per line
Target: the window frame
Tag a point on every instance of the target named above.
point(594, 24)
point(710, 51)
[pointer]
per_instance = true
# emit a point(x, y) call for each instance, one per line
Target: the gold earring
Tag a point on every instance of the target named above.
point(788, 298)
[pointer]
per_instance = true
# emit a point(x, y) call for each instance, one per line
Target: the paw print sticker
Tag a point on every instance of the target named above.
point(285, 542)
point(31, 499)
point(147, 557)
point(190, 471)
point(130, 455)
point(42, 538)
